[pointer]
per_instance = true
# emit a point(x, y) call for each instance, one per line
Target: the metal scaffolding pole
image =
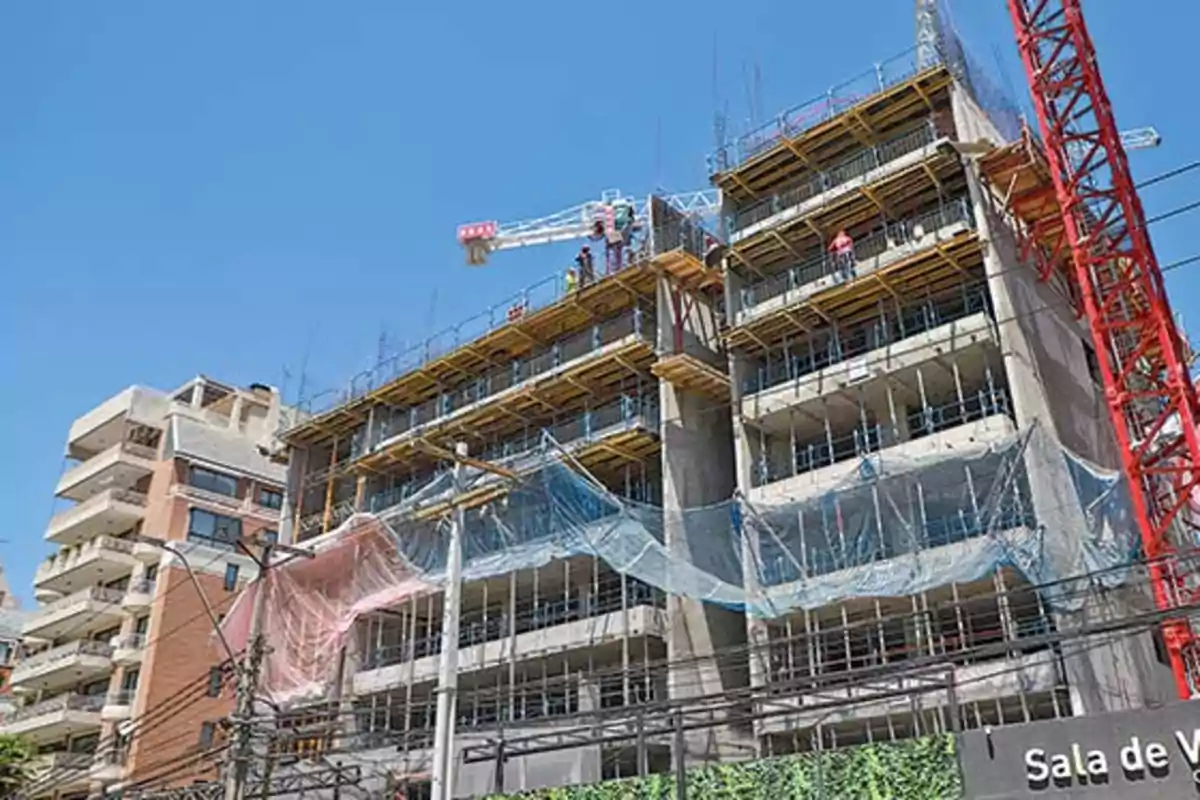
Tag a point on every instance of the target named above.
point(443, 741)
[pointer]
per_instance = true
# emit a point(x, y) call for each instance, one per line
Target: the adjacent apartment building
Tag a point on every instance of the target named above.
point(120, 682)
point(871, 311)
point(11, 618)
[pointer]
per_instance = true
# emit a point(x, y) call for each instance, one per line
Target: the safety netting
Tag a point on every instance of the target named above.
point(894, 525)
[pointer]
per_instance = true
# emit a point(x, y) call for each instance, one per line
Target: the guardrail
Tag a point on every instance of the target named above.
point(65, 702)
point(887, 237)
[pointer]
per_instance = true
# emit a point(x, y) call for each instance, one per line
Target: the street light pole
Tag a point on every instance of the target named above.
point(443, 737)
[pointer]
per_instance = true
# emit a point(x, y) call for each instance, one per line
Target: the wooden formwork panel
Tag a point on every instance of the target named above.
point(693, 375)
point(688, 270)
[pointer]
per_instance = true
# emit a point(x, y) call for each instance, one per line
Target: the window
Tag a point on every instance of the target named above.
point(214, 530)
point(129, 681)
point(207, 729)
point(231, 577)
point(215, 482)
point(270, 498)
point(150, 573)
point(142, 625)
point(270, 536)
point(214, 682)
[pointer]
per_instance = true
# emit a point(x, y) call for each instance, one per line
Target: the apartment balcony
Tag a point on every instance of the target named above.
point(81, 660)
point(128, 648)
point(56, 718)
point(139, 595)
point(62, 772)
point(121, 466)
point(118, 705)
point(105, 425)
point(101, 560)
point(112, 511)
point(92, 609)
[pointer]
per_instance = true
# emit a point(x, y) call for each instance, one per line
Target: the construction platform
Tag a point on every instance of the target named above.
point(864, 123)
point(510, 340)
point(925, 272)
point(849, 206)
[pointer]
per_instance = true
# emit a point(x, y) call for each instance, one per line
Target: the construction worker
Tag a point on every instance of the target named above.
point(587, 267)
point(712, 252)
point(842, 248)
point(572, 280)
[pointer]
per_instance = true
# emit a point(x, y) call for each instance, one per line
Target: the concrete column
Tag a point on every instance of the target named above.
point(197, 398)
point(697, 440)
point(235, 415)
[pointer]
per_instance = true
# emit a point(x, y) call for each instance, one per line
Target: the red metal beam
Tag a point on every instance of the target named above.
point(1152, 402)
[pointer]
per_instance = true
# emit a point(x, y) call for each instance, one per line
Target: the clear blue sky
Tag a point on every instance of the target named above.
point(217, 187)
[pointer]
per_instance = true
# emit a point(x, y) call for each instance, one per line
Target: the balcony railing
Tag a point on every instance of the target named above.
point(64, 702)
point(545, 293)
point(1000, 108)
point(121, 697)
point(626, 410)
point(80, 647)
point(887, 237)
point(141, 586)
point(84, 468)
point(871, 437)
point(67, 516)
point(973, 406)
point(907, 321)
point(927, 531)
point(479, 627)
point(843, 171)
point(99, 594)
point(129, 641)
point(505, 377)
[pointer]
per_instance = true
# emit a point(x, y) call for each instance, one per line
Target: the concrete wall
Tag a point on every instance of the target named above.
point(1054, 397)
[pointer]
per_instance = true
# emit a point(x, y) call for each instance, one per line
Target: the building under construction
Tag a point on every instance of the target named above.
point(843, 429)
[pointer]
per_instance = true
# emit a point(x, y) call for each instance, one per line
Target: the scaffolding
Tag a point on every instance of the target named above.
point(884, 514)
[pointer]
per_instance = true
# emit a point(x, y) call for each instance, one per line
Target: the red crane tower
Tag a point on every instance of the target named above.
point(1150, 397)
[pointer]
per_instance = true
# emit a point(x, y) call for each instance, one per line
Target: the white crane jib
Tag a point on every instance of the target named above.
point(577, 222)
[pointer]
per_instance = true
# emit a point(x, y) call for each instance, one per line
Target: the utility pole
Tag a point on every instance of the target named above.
point(443, 737)
point(238, 763)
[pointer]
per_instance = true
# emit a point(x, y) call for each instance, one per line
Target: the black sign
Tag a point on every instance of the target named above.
point(1151, 753)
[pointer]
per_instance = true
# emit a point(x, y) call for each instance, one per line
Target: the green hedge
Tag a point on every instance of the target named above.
point(918, 769)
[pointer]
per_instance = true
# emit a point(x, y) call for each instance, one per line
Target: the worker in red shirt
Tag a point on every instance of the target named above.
point(842, 248)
